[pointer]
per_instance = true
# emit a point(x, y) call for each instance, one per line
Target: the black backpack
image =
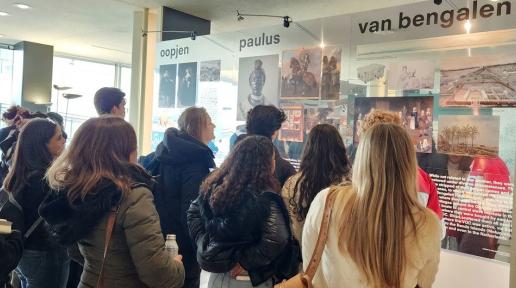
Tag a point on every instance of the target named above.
point(12, 211)
point(150, 163)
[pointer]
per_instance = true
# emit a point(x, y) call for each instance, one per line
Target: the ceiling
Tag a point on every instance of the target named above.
point(102, 29)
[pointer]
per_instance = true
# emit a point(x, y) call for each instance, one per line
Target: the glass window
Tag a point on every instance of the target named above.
point(6, 76)
point(84, 78)
point(125, 85)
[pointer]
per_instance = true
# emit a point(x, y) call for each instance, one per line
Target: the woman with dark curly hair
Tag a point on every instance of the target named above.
point(240, 223)
point(324, 163)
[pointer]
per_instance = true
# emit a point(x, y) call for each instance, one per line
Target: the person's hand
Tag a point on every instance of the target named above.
point(179, 258)
point(237, 270)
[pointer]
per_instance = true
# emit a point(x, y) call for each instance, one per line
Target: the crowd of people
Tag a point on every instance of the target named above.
point(93, 215)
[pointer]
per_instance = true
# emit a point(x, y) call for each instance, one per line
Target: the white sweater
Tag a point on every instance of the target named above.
point(339, 270)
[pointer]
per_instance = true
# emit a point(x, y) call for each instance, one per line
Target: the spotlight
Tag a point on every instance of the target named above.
point(438, 2)
point(286, 21)
point(240, 17)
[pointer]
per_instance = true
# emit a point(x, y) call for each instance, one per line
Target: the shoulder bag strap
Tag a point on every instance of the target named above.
point(35, 224)
point(9, 198)
point(323, 235)
point(32, 228)
point(109, 231)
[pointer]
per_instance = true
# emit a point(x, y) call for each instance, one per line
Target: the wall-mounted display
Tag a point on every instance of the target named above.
point(475, 194)
point(468, 135)
point(487, 80)
point(411, 75)
point(187, 84)
point(257, 83)
point(293, 128)
point(167, 86)
point(330, 78)
point(416, 114)
point(507, 137)
point(301, 73)
point(210, 71)
point(319, 115)
point(371, 72)
point(351, 89)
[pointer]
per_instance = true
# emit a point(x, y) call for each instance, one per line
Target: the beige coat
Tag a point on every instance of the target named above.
point(339, 270)
point(136, 257)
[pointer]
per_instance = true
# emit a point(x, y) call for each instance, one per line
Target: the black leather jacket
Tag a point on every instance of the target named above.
point(255, 234)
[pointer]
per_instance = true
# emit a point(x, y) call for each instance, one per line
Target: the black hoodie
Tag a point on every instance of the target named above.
point(184, 163)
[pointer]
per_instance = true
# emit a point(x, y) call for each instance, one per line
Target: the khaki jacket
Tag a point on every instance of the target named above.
point(136, 256)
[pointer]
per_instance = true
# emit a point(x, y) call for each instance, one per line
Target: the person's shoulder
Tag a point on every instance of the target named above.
point(139, 193)
point(290, 184)
point(429, 223)
point(319, 200)
point(422, 175)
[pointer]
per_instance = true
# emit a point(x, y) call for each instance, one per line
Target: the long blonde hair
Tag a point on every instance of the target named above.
point(372, 225)
point(100, 150)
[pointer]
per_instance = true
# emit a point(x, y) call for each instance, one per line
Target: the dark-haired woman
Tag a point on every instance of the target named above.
point(240, 223)
point(324, 163)
point(44, 262)
point(100, 189)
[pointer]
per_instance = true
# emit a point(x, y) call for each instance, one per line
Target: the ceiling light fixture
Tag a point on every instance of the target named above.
point(22, 6)
point(2, 13)
point(467, 26)
point(286, 19)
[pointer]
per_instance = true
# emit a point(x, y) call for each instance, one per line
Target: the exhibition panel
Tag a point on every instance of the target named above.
point(448, 71)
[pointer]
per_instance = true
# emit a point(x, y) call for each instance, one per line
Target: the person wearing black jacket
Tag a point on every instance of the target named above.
point(266, 120)
point(44, 262)
point(11, 248)
point(184, 161)
point(239, 222)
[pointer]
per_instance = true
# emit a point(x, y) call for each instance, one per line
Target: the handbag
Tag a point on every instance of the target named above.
point(109, 231)
point(304, 279)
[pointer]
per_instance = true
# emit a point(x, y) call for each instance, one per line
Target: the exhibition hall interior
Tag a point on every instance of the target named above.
point(391, 126)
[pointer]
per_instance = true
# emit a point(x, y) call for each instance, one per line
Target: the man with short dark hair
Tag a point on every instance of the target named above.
point(110, 100)
point(266, 120)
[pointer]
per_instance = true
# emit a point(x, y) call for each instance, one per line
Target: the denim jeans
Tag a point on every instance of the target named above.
point(224, 280)
point(43, 269)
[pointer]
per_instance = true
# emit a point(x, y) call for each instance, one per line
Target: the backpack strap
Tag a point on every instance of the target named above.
point(10, 199)
point(107, 240)
point(3, 201)
point(13, 200)
point(32, 227)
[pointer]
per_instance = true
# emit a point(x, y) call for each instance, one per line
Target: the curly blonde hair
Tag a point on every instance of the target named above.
point(377, 117)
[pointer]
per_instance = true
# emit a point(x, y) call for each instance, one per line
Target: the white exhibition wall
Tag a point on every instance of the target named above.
point(493, 35)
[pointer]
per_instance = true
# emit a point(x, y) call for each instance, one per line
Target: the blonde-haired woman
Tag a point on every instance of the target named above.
point(99, 188)
point(380, 235)
point(184, 161)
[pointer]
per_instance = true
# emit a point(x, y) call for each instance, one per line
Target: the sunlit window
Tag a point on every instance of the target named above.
point(84, 78)
point(6, 76)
